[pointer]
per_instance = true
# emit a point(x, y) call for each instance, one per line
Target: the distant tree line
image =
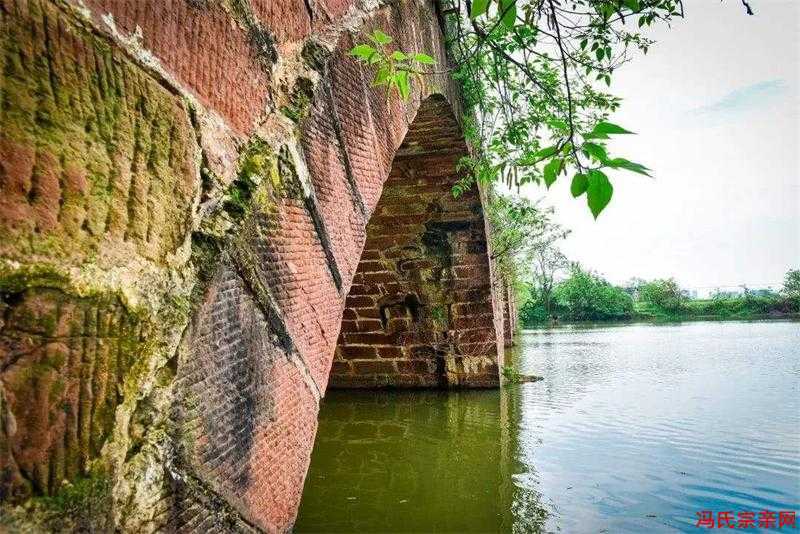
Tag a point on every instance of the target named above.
point(525, 247)
point(586, 296)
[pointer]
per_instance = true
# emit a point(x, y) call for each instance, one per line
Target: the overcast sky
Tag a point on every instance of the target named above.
point(716, 106)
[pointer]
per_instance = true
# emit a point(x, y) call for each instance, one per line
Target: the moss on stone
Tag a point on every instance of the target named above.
point(315, 55)
point(81, 506)
point(300, 100)
point(98, 143)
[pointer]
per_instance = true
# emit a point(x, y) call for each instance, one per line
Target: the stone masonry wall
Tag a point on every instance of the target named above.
point(185, 191)
point(419, 312)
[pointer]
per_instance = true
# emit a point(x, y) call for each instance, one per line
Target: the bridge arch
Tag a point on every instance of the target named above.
point(419, 312)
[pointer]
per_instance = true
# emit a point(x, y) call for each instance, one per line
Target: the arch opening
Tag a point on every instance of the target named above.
point(419, 312)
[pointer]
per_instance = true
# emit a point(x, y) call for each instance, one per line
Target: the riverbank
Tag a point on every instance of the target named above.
point(753, 309)
point(662, 319)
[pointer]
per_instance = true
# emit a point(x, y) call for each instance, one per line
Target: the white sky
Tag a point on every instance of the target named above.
point(716, 106)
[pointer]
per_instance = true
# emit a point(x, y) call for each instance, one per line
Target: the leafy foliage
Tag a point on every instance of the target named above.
point(394, 69)
point(524, 242)
point(534, 74)
point(664, 294)
point(791, 283)
point(587, 296)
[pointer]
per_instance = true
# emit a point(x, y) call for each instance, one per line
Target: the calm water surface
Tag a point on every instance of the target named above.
point(634, 429)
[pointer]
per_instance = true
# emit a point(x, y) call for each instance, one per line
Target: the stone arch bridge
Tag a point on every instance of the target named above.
point(207, 218)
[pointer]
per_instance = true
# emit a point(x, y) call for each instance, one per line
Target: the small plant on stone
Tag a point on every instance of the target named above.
point(395, 69)
point(513, 376)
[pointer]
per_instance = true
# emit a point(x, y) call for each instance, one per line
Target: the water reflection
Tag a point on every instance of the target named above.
point(634, 429)
point(418, 461)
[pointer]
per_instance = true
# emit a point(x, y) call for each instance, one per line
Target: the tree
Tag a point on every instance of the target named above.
point(524, 245)
point(548, 262)
point(791, 284)
point(664, 294)
point(587, 296)
point(532, 74)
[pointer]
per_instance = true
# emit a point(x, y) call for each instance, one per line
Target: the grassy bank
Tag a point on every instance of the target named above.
point(742, 308)
point(721, 309)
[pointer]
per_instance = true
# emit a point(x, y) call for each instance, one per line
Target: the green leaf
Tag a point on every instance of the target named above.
point(538, 156)
point(380, 38)
point(397, 55)
point(403, 84)
point(622, 163)
point(599, 54)
point(596, 151)
point(551, 171)
point(579, 184)
point(479, 7)
point(382, 76)
point(598, 192)
point(593, 135)
point(607, 128)
point(508, 8)
point(633, 5)
point(362, 51)
point(425, 59)
point(557, 124)
point(583, 44)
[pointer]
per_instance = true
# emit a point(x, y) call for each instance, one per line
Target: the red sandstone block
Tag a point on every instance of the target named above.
point(349, 326)
point(395, 289)
point(413, 367)
point(201, 46)
point(369, 339)
point(287, 20)
point(470, 309)
point(390, 352)
point(370, 325)
point(373, 254)
point(351, 352)
point(341, 368)
point(359, 302)
point(369, 313)
point(361, 290)
point(478, 321)
point(476, 294)
point(380, 278)
point(370, 266)
point(376, 367)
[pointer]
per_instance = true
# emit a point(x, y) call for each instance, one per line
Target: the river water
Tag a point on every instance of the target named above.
point(634, 428)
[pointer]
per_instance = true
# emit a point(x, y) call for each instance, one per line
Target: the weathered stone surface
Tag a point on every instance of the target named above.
point(95, 155)
point(64, 362)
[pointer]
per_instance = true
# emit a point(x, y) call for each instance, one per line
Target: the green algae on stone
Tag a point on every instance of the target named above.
point(82, 505)
point(300, 100)
point(91, 149)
